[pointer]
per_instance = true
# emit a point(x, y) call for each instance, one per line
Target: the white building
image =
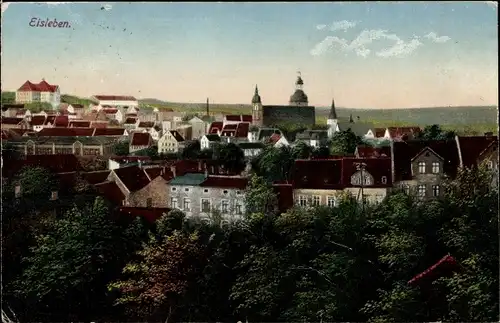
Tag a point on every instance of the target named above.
point(41, 92)
point(116, 100)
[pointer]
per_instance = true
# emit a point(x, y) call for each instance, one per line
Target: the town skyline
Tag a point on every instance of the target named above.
point(427, 54)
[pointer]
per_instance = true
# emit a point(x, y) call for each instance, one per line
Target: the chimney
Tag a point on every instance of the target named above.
point(172, 169)
point(208, 109)
point(54, 196)
point(206, 172)
point(200, 165)
point(17, 191)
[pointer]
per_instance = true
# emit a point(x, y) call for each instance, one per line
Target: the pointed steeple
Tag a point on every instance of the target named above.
point(350, 119)
point(333, 112)
point(256, 96)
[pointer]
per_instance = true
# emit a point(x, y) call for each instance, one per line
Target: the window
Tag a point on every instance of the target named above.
point(224, 206)
point(238, 193)
point(186, 189)
point(435, 190)
point(238, 208)
point(316, 200)
point(384, 179)
point(224, 192)
point(205, 205)
point(205, 190)
point(149, 202)
point(421, 167)
point(187, 205)
point(421, 190)
point(331, 201)
point(173, 203)
point(174, 189)
point(406, 189)
point(302, 200)
point(490, 164)
point(435, 167)
point(362, 178)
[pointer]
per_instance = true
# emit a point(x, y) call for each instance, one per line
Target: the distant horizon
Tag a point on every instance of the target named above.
point(368, 55)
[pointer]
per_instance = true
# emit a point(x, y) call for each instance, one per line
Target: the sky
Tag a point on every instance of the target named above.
point(364, 55)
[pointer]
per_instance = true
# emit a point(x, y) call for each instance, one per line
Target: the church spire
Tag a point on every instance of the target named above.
point(299, 84)
point(256, 96)
point(333, 112)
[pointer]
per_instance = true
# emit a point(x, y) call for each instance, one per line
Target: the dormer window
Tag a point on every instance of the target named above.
point(421, 167)
point(435, 167)
point(384, 179)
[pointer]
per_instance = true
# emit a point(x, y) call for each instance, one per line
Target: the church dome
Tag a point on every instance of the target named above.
point(299, 97)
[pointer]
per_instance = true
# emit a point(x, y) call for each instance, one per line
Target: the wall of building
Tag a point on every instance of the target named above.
point(157, 190)
point(284, 114)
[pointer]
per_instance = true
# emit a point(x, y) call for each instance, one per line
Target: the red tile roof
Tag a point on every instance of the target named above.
point(66, 132)
point(177, 136)
point(225, 182)
point(230, 127)
point(274, 138)
point(96, 177)
point(399, 132)
point(233, 117)
point(43, 86)
point(403, 152)
point(378, 168)
point(134, 178)
point(111, 192)
point(111, 132)
point(79, 124)
point(146, 124)
point(317, 174)
point(242, 130)
point(130, 120)
point(140, 139)
point(372, 152)
point(61, 121)
point(215, 127)
point(20, 131)
point(247, 118)
point(114, 98)
point(21, 112)
point(150, 214)
point(472, 147)
point(37, 120)
point(110, 110)
point(98, 124)
point(16, 121)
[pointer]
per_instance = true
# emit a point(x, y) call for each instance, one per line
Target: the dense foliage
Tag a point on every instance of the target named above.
point(347, 263)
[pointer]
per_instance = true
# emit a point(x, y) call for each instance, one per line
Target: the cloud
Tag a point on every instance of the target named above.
point(107, 7)
point(434, 37)
point(400, 49)
point(359, 45)
point(338, 25)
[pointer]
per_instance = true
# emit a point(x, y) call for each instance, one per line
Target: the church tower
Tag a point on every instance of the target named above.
point(299, 98)
point(332, 120)
point(257, 113)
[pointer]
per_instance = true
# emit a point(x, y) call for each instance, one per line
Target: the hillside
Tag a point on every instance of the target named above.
point(71, 99)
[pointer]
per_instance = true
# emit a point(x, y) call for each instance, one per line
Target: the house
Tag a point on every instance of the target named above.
point(144, 126)
point(129, 179)
point(202, 194)
point(139, 141)
point(279, 141)
point(358, 128)
point(313, 138)
point(79, 124)
point(477, 150)
point(420, 167)
point(77, 109)
point(170, 143)
point(116, 162)
point(401, 133)
point(251, 149)
point(375, 133)
point(198, 127)
point(56, 121)
point(37, 122)
point(23, 113)
point(10, 110)
point(363, 151)
point(111, 132)
point(130, 123)
point(10, 122)
point(236, 132)
point(207, 141)
point(265, 133)
point(156, 193)
point(185, 130)
point(41, 92)
point(81, 146)
point(116, 100)
point(66, 132)
point(113, 114)
point(215, 128)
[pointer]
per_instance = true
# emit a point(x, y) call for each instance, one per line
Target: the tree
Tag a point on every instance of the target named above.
point(158, 284)
point(191, 150)
point(121, 148)
point(36, 107)
point(274, 164)
point(8, 97)
point(259, 197)
point(301, 151)
point(70, 265)
point(434, 132)
point(151, 152)
point(36, 185)
point(344, 143)
point(231, 157)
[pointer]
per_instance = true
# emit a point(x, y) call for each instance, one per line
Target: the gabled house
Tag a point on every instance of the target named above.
point(140, 141)
point(111, 132)
point(8, 123)
point(208, 141)
point(401, 133)
point(171, 142)
point(156, 193)
point(198, 128)
point(215, 128)
point(313, 138)
point(129, 179)
point(419, 167)
point(251, 149)
point(113, 114)
point(37, 123)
